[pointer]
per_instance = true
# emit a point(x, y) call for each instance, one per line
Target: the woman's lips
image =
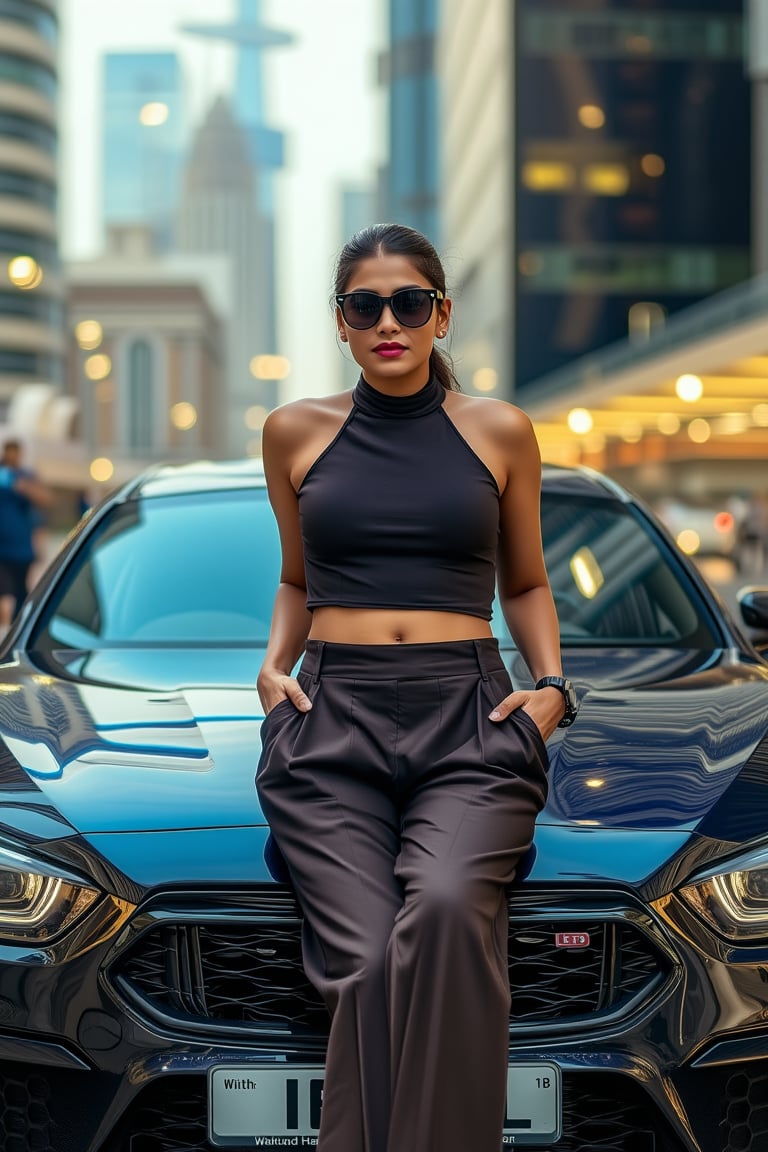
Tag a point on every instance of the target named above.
point(389, 351)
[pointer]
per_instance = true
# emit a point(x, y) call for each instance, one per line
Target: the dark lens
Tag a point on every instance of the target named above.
point(361, 309)
point(412, 306)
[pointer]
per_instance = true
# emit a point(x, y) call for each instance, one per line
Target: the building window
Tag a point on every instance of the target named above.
point(140, 397)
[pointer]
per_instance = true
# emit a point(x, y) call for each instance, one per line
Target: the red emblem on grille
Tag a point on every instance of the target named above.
point(572, 939)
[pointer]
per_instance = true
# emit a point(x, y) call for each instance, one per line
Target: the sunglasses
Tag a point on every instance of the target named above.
point(411, 307)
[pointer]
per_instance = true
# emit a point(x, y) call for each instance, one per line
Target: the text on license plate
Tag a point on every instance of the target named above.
point(279, 1107)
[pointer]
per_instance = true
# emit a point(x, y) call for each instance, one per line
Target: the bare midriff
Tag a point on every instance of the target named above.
point(394, 626)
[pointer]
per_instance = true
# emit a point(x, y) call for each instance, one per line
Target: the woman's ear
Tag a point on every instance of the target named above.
point(443, 318)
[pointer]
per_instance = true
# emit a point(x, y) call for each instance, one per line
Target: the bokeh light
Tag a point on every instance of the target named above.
point(689, 541)
point(270, 367)
point(689, 388)
point(485, 379)
point(653, 164)
point(97, 367)
point(102, 469)
point(154, 114)
point(255, 416)
point(699, 430)
point(668, 423)
point(591, 116)
point(24, 272)
point(183, 415)
point(89, 334)
point(580, 421)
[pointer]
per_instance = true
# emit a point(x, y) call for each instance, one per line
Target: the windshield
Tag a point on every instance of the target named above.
point(191, 569)
point(202, 569)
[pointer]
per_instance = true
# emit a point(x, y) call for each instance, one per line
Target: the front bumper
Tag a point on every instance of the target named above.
point(661, 1035)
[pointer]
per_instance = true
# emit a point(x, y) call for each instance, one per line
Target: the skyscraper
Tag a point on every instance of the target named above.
point(143, 141)
point(31, 291)
point(411, 179)
point(219, 214)
point(251, 39)
point(596, 173)
point(633, 168)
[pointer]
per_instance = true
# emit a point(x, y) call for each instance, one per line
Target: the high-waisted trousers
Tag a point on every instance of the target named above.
point(402, 811)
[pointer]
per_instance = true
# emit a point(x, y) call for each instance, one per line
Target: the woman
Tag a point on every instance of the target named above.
point(400, 774)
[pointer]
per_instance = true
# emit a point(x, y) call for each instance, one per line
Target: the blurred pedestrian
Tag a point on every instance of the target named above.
point(400, 773)
point(753, 536)
point(22, 501)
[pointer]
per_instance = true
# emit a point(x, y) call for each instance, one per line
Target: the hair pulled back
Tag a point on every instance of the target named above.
point(398, 240)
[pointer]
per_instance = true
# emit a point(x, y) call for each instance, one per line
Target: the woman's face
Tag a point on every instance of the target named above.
point(390, 353)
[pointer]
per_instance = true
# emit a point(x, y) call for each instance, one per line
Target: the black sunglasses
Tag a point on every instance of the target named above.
point(411, 307)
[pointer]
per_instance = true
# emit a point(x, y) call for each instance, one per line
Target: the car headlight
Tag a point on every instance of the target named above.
point(37, 900)
point(734, 901)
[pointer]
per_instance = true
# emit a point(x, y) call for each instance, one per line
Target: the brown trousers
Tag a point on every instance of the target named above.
point(402, 811)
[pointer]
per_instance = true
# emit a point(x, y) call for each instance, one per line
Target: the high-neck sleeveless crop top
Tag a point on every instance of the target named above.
point(399, 512)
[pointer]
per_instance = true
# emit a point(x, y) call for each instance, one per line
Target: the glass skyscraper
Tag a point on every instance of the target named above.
point(31, 291)
point(410, 193)
point(143, 142)
point(632, 169)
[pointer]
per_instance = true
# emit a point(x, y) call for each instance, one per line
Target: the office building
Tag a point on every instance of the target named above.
point(31, 290)
point(146, 355)
point(599, 185)
point(410, 192)
point(142, 142)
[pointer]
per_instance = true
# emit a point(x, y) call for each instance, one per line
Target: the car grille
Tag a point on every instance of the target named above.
point(227, 974)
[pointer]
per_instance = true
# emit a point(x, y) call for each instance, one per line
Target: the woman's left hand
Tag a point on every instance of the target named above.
point(545, 706)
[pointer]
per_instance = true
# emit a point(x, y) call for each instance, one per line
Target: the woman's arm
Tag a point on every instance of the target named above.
point(290, 618)
point(524, 591)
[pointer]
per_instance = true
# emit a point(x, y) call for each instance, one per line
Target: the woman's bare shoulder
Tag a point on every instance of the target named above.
point(499, 417)
point(295, 418)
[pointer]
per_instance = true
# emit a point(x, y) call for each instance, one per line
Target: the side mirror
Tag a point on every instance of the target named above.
point(753, 603)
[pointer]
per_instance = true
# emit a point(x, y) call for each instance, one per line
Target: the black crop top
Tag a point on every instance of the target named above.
point(399, 512)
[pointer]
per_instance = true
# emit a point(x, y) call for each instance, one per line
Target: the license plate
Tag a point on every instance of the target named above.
point(279, 1107)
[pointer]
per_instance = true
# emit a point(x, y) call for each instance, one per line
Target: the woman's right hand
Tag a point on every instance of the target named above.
point(273, 687)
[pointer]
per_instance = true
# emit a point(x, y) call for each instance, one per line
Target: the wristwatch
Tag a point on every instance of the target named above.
point(569, 695)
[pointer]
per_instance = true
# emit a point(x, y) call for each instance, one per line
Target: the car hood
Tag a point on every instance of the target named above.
point(665, 746)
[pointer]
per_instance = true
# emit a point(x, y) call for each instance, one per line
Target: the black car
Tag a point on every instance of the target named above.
point(152, 997)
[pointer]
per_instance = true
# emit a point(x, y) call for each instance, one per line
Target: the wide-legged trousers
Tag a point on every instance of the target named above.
point(402, 811)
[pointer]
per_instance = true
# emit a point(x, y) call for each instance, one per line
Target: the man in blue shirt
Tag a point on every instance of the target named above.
point(21, 497)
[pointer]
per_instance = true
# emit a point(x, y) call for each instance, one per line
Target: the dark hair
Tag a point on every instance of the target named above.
point(398, 240)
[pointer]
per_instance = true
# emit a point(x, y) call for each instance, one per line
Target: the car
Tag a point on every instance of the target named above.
point(701, 529)
point(152, 996)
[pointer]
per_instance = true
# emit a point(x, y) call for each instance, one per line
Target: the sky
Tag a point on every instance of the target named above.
point(320, 92)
